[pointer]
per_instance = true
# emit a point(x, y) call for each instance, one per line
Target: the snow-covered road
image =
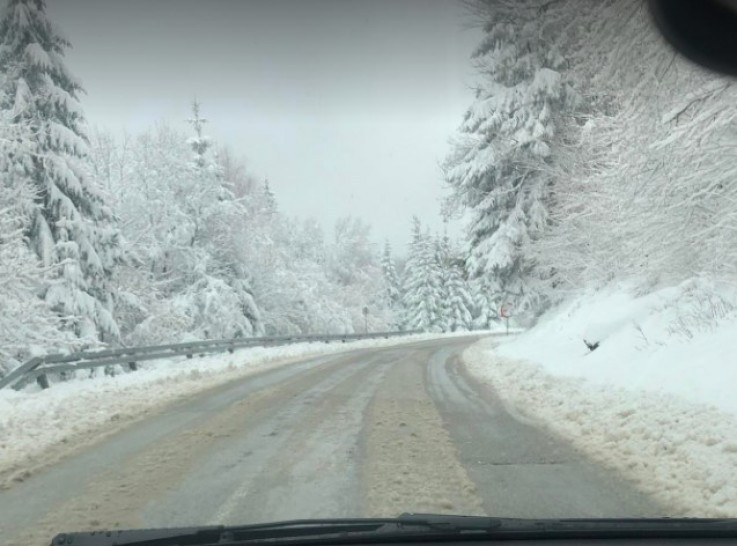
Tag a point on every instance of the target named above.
point(376, 431)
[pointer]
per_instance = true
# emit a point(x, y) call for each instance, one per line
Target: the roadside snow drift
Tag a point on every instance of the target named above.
point(656, 400)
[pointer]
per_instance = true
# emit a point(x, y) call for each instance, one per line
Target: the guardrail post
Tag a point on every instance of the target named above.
point(43, 381)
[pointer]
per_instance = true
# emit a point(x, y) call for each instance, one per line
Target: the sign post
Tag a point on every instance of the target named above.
point(505, 311)
point(365, 318)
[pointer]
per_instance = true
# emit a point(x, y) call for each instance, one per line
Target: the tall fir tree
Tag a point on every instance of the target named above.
point(392, 286)
point(486, 302)
point(391, 279)
point(497, 169)
point(422, 284)
point(269, 199)
point(456, 302)
point(71, 228)
point(26, 321)
point(219, 274)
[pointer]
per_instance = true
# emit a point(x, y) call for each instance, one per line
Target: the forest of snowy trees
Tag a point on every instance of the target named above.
point(165, 235)
point(591, 154)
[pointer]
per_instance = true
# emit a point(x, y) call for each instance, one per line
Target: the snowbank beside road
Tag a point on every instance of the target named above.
point(38, 427)
point(680, 340)
point(655, 401)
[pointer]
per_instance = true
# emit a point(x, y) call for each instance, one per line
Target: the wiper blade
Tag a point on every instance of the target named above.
point(408, 527)
point(203, 536)
point(344, 530)
point(515, 528)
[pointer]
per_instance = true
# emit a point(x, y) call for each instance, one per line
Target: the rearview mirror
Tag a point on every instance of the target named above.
point(704, 31)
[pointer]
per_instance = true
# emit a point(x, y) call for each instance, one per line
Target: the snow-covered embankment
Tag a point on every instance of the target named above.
point(657, 400)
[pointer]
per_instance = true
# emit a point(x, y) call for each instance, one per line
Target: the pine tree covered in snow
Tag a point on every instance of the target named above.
point(269, 199)
point(392, 286)
point(497, 169)
point(391, 279)
point(456, 303)
point(71, 228)
point(188, 275)
point(486, 303)
point(421, 284)
point(199, 255)
point(27, 323)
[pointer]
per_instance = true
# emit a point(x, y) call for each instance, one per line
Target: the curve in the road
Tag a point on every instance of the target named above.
point(365, 433)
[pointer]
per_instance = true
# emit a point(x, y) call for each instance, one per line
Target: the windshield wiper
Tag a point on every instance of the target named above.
point(408, 527)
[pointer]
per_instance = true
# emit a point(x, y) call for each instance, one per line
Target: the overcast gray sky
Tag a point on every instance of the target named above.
point(345, 105)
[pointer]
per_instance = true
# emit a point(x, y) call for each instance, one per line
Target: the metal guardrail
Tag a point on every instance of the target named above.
point(39, 367)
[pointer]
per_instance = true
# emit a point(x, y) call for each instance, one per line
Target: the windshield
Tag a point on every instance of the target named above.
point(262, 261)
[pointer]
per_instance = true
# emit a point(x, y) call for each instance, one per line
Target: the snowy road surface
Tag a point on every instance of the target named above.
point(366, 433)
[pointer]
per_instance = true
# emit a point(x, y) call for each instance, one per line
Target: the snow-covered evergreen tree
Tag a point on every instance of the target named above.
point(27, 323)
point(422, 300)
point(486, 302)
point(269, 199)
point(391, 279)
point(392, 286)
point(455, 301)
point(497, 169)
point(71, 229)
point(215, 293)
point(186, 232)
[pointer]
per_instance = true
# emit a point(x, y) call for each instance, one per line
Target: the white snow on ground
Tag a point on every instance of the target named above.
point(656, 401)
point(80, 411)
point(679, 340)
